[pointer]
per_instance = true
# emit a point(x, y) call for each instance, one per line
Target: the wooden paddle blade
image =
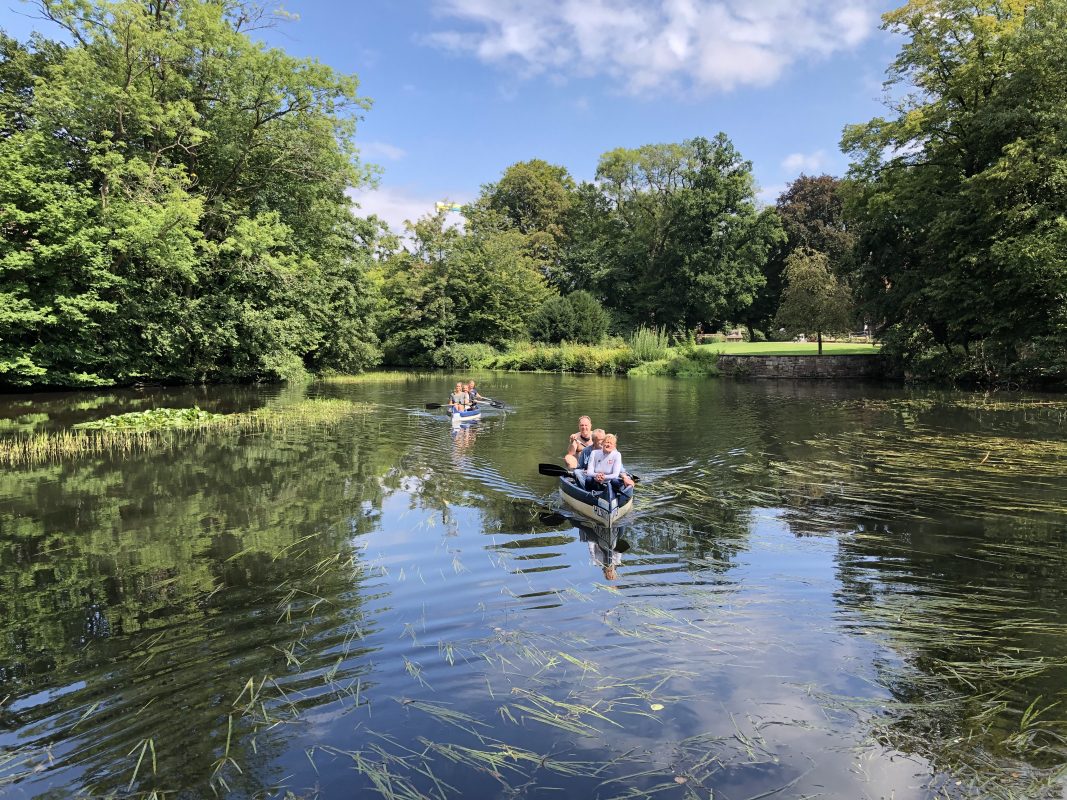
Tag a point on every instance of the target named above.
point(553, 469)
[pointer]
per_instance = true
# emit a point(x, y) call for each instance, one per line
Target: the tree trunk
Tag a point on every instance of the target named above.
point(818, 335)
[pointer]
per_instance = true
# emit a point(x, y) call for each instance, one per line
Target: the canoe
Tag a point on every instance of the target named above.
point(595, 505)
point(466, 416)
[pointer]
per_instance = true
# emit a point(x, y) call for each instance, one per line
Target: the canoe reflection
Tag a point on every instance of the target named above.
point(605, 547)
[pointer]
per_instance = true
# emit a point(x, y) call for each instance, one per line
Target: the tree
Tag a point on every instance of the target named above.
point(590, 319)
point(553, 322)
point(535, 197)
point(958, 197)
point(811, 210)
point(200, 182)
point(691, 243)
point(814, 298)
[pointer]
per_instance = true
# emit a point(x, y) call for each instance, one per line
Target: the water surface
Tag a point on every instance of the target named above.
point(831, 590)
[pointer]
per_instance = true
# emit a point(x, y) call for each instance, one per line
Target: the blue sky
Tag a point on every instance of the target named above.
point(463, 88)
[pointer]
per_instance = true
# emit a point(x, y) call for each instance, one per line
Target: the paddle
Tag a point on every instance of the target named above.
point(492, 403)
point(557, 471)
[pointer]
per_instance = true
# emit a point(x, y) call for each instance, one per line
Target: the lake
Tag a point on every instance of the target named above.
point(830, 590)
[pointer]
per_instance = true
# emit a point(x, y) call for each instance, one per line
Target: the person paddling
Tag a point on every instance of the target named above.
point(578, 442)
point(458, 400)
point(474, 395)
point(605, 467)
point(584, 456)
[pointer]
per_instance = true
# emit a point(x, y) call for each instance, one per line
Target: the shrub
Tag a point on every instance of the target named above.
point(648, 344)
point(590, 319)
point(687, 362)
point(463, 356)
point(554, 321)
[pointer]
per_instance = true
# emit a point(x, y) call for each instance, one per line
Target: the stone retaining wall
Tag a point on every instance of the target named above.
point(834, 367)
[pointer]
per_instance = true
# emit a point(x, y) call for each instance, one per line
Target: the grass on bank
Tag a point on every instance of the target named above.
point(790, 348)
point(159, 428)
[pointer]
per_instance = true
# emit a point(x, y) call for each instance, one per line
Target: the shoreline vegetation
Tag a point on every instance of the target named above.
point(162, 428)
point(221, 268)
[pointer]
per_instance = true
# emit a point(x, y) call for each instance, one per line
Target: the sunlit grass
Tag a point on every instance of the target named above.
point(394, 376)
point(790, 348)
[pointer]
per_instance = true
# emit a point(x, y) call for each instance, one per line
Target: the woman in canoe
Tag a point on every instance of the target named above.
point(605, 467)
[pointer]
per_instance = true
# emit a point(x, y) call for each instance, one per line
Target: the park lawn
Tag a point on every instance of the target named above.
point(791, 348)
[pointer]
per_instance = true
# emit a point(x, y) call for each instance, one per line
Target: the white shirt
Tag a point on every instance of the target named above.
point(610, 465)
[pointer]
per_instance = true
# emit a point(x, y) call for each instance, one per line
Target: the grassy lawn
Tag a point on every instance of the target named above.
point(789, 348)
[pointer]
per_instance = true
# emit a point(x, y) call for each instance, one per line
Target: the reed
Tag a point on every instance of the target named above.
point(126, 434)
point(649, 344)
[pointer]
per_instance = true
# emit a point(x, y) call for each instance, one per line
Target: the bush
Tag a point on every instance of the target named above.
point(687, 362)
point(564, 358)
point(758, 336)
point(649, 344)
point(554, 321)
point(590, 319)
point(463, 356)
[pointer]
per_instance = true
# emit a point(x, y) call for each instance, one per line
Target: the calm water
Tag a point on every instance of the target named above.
point(841, 591)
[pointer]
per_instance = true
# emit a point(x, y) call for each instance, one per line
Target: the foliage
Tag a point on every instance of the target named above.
point(445, 287)
point(649, 344)
point(590, 319)
point(811, 210)
point(535, 197)
point(554, 321)
point(464, 356)
point(697, 362)
point(152, 419)
point(814, 298)
point(174, 180)
point(527, 357)
point(692, 242)
point(958, 197)
point(578, 317)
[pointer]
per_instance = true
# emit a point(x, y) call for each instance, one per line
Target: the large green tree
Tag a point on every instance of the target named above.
point(535, 197)
point(958, 196)
point(692, 240)
point(205, 177)
point(811, 210)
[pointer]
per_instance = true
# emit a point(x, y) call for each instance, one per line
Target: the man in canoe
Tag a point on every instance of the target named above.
point(584, 456)
point(578, 442)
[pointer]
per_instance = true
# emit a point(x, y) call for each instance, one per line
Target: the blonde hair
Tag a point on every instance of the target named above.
point(611, 437)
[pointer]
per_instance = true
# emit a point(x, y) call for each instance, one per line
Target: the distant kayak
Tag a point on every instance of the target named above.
point(596, 505)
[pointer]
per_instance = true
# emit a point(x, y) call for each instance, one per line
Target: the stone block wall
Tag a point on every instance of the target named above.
point(834, 367)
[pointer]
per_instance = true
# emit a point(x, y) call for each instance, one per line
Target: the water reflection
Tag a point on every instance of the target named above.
point(845, 591)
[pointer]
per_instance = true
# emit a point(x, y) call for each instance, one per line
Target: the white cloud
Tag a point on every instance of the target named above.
point(397, 205)
point(804, 162)
point(768, 195)
point(381, 150)
point(647, 46)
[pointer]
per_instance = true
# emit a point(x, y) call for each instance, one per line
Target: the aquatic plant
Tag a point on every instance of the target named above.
point(159, 429)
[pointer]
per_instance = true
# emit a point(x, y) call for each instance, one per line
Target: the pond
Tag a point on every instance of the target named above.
point(830, 590)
